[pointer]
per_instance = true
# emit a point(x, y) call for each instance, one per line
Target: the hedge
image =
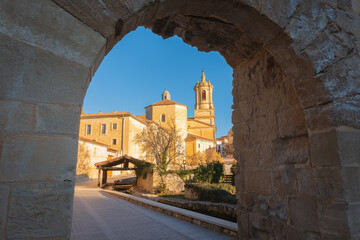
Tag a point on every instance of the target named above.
point(221, 193)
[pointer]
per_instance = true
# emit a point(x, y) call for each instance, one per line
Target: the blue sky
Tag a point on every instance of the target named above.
point(139, 68)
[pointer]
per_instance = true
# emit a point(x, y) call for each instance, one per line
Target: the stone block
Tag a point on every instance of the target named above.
point(40, 209)
point(241, 134)
point(278, 209)
point(250, 156)
point(284, 181)
point(262, 223)
point(303, 213)
point(38, 157)
point(258, 181)
point(242, 110)
point(57, 119)
point(266, 156)
point(338, 44)
point(342, 79)
point(65, 36)
point(351, 181)
point(4, 198)
point(279, 11)
point(291, 122)
point(324, 149)
point(329, 184)
point(240, 176)
point(17, 116)
point(291, 150)
point(309, 20)
point(34, 76)
point(311, 92)
point(341, 112)
point(101, 16)
point(306, 182)
point(348, 140)
point(333, 219)
point(354, 220)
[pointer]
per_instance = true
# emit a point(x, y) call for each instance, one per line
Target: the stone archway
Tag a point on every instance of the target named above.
point(296, 106)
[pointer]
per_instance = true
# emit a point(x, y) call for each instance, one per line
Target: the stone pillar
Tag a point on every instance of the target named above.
point(46, 59)
point(298, 171)
point(335, 155)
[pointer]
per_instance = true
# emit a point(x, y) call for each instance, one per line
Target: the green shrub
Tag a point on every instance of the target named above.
point(223, 193)
point(211, 173)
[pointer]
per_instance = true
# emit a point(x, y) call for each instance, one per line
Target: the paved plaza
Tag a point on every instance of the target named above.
point(98, 215)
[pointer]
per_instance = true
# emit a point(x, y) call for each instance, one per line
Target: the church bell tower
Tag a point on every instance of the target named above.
point(204, 107)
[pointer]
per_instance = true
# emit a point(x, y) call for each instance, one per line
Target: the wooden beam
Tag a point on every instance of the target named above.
point(116, 168)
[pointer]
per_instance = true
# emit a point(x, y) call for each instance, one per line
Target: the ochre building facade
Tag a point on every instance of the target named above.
point(118, 129)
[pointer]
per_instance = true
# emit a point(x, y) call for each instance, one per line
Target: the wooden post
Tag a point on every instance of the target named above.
point(104, 177)
point(99, 172)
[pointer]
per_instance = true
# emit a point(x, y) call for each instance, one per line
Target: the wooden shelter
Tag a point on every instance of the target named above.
point(121, 163)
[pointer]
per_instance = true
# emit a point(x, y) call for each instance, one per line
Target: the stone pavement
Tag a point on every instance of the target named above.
point(98, 215)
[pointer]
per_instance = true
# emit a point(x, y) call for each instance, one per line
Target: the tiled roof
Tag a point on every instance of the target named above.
point(191, 136)
point(166, 102)
point(119, 160)
point(105, 114)
point(143, 116)
point(93, 141)
point(115, 114)
point(195, 120)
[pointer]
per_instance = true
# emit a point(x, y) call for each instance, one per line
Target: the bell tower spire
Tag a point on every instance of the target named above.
point(204, 107)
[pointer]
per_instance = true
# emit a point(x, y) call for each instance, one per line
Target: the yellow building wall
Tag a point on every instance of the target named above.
point(96, 133)
point(135, 127)
point(131, 128)
point(190, 147)
point(206, 116)
point(201, 129)
point(181, 120)
point(159, 110)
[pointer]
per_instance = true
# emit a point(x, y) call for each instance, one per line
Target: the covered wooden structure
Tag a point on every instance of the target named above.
point(121, 163)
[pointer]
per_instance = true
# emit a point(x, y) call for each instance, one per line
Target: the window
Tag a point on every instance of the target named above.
point(103, 128)
point(114, 142)
point(203, 95)
point(114, 126)
point(199, 145)
point(88, 130)
point(163, 118)
point(165, 97)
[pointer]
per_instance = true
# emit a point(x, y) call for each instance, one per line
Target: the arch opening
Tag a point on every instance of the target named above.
point(281, 142)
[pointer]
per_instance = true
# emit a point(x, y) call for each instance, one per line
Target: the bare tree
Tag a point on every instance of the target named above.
point(164, 144)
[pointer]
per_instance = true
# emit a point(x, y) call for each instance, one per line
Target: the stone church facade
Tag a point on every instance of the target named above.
point(118, 129)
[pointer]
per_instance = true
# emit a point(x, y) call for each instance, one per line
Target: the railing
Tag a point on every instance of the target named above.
point(229, 179)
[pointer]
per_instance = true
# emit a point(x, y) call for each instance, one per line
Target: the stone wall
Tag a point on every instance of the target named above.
point(174, 184)
point(275, 178)
point(146, 184)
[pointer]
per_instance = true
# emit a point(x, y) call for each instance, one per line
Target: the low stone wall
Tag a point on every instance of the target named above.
point(191, 194)
point(219, 210)
point(174, 183)
point(145, 184)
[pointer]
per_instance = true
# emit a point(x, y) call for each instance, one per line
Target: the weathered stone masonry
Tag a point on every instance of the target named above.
point(296, 106)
